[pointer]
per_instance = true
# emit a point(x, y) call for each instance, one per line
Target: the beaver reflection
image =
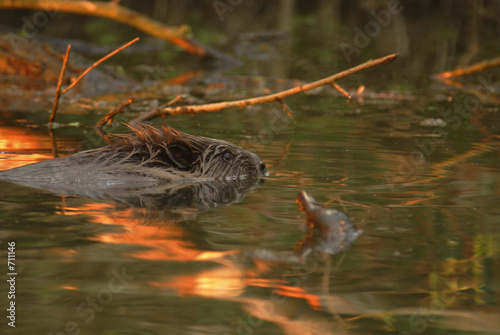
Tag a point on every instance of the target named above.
point(148, 161)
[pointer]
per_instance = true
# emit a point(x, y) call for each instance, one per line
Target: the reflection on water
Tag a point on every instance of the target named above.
point(209, 259)
point(411, 162)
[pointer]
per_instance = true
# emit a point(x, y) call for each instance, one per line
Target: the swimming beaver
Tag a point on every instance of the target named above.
point(148, 157)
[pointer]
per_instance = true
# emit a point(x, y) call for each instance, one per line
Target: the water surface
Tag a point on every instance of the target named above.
point(412, 161)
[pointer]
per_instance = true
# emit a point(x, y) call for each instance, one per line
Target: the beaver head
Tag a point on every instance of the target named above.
point(177, 155)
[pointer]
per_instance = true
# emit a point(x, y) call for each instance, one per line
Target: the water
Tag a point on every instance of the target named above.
point(426, 260)
point(425, 197)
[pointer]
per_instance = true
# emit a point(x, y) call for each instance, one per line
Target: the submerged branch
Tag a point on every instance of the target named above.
point(213, 107)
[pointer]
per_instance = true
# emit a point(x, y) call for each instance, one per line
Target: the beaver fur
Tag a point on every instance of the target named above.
point(147, 157)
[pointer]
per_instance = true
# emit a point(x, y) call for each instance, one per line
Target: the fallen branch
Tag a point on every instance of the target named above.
point(470, 69)
point(58, 89)
point(60, 92)
point(111, 54)
point(118, 109)
point(116, 12)
point(213, 107)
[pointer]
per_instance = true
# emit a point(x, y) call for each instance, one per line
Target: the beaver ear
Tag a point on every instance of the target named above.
point(180, 155)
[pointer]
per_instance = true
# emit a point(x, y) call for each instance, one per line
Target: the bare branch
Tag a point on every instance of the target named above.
point(97, 63)
point(341, 90)
point(58, 89)
point(262, 99)
point(60, 92)
point(116, 12)
point(118, 109)
point(470, 69)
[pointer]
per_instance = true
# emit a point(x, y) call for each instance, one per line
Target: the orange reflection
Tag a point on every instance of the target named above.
point(222, 282)
point(281, 288)
point(162, 242)
point(228, 281)
point(185, 77)
point(98, 212)
point(10, 161)
point(167, 243)
point(21, 140)
point(297, 292)
point(68, 287)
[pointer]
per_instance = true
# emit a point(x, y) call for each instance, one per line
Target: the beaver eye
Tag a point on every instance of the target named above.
point(227, 157)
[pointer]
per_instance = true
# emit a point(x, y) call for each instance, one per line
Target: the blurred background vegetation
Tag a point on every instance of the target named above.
point(432, 36)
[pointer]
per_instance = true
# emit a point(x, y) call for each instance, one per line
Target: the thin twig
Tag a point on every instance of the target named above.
point(341, 90)
point(360, 90)
point(58, 89)
point(262, 99)
point(175, 100)
point(285, 107)
point(470, 69)
point(97, 63)
point(118, 109)
point(60, 92)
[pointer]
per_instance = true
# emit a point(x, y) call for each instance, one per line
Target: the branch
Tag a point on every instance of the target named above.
point(116, 12)
point(263, 99)
point(470, 69)
point(118, 109)
point(60, 92)
point(97, 63)
point(341, 90)
point(58, 89)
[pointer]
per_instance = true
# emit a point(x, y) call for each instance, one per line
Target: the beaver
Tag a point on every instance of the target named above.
point(145, 159)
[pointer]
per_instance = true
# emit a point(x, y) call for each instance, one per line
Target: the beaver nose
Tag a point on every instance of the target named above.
point(262, 168)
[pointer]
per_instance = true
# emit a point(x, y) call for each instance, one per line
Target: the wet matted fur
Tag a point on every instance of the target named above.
point(147, 157)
